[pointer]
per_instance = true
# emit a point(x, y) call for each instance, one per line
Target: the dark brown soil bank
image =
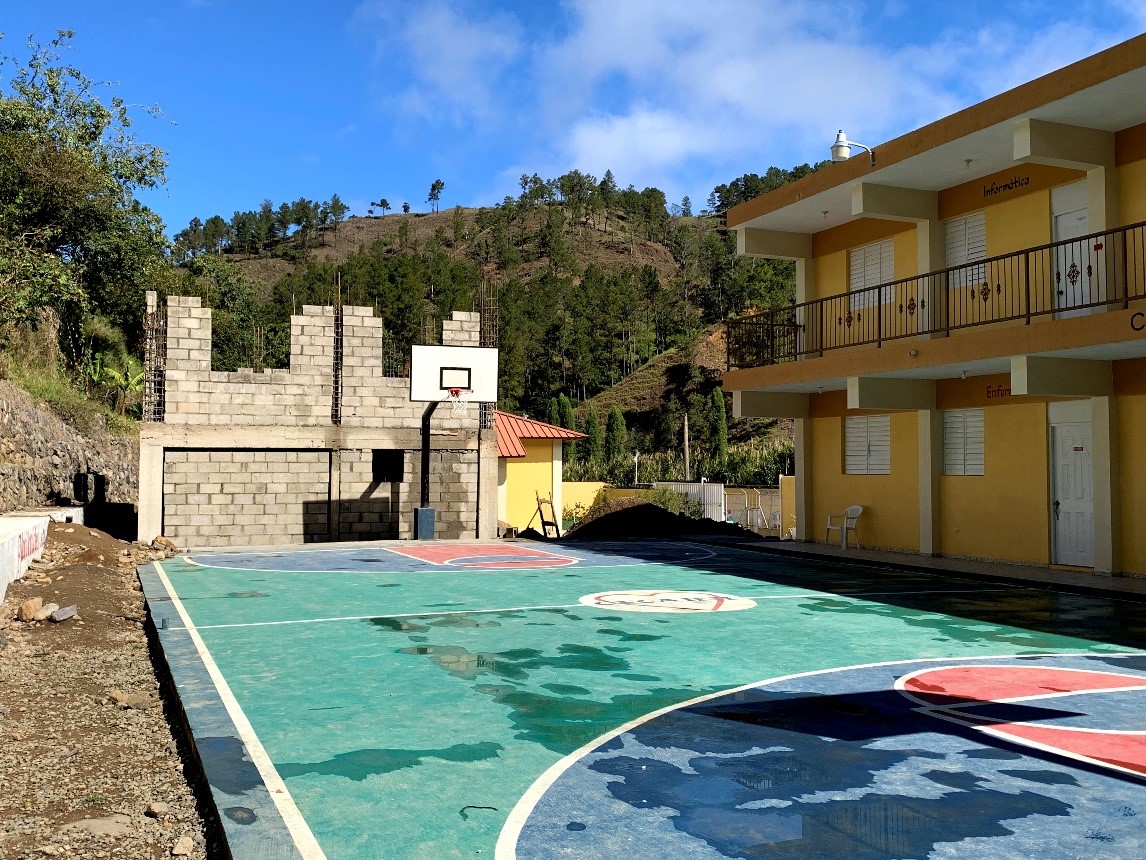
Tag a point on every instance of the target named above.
point(644, 520)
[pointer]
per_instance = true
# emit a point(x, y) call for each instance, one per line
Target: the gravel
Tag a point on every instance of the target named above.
point(86, 749)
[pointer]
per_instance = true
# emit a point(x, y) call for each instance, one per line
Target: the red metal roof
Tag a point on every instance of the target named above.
point(511, 429)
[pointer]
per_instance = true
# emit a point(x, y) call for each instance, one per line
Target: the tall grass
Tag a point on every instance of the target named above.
point(33, 366)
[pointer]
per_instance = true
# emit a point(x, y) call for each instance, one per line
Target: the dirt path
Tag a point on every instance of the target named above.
point(90, 767)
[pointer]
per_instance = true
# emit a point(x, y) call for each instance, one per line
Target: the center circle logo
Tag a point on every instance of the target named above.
point(639, 600)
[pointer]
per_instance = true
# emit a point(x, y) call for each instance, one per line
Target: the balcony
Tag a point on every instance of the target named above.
point(1063, 279)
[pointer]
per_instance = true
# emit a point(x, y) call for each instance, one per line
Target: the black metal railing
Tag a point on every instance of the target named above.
point(1067, 278)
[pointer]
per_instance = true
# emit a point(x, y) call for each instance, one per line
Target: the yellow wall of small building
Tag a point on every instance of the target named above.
point(525, 477)
point(891, 502)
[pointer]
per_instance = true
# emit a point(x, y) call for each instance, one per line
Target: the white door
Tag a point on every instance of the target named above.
point(1072, 500)
point(1073, 265)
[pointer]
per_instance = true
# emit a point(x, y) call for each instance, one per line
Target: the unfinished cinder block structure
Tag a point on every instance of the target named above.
point(324, 451)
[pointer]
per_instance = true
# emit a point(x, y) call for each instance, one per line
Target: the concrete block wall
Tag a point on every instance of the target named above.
point(454, 491)
point(195, 394)
point(206, 480)
point(368, 510)
point(246, 497)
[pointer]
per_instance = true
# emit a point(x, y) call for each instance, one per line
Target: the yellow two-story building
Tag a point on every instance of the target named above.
point(966, 356)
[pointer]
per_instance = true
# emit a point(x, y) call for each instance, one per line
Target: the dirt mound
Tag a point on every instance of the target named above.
point(643, 520)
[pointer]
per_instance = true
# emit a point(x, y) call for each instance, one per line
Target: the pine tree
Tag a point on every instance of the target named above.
point(616, 436)
point(594, 448)
point(719, 429)
point(566, 419)
point(553, 413)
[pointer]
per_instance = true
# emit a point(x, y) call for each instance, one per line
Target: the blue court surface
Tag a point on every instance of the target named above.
point(650, 700)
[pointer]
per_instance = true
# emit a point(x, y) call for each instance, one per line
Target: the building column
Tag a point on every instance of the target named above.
point(930, 468)
point(489, 470)
point(803, 433)
point(1105, 470)
point(150, 492)
point(558, 501)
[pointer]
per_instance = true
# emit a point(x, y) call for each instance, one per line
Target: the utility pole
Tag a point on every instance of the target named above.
point(687, 463)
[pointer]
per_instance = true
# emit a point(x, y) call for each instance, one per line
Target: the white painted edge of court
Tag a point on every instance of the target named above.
point(506, 848)
point(296, 825)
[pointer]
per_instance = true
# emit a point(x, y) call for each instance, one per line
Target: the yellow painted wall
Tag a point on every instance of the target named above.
point(1003, 514)
point(525, 477)
point(1132, 192)
point(891, 502)
point(787, 503)
point(574, 493)
point(1132, 442)
point(1023, 222)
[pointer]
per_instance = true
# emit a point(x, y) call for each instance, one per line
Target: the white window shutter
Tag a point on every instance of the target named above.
point(869, 266)
point(966, 243)
point(879, 444)
point(954, 448)
point(963, 442)
point(867, 445)
point(974, 461)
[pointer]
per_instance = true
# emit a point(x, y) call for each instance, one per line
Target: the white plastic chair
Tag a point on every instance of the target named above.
point(844, 523)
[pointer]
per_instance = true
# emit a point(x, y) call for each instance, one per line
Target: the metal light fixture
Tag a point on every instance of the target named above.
point(842, 148)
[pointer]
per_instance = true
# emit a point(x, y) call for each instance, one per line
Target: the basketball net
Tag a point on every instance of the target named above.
point(457, 398)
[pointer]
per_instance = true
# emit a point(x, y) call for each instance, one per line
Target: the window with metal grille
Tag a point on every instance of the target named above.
point(963, 442)
point(967, 243)
point(867, 445)
point(870, 266)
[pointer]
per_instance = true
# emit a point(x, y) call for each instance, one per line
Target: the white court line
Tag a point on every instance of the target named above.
point(506, 848)
point(805, 595)
point(299, 830)
point(396, 615)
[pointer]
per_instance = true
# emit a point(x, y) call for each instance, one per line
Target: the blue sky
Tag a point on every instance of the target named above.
point(379, 98)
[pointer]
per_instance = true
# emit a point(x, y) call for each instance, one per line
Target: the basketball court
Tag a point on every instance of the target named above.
point(647, 700)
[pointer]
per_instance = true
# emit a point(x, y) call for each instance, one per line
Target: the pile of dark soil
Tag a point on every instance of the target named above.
point(639, 519)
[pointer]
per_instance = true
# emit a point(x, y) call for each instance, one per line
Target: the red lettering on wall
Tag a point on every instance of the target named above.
point(29, 545)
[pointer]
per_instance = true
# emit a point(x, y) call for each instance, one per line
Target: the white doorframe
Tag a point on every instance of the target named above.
point(1076, 277)
point(1071, 483)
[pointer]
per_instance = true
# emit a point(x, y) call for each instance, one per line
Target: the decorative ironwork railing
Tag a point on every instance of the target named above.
point(1068, 278)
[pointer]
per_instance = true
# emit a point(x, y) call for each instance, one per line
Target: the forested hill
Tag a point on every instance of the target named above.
point(591, 280)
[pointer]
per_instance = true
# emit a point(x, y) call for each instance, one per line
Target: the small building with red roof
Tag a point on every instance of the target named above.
point(529, 463)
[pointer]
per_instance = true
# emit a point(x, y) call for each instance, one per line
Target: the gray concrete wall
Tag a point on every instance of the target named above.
point(245, 424)
point(246, 498)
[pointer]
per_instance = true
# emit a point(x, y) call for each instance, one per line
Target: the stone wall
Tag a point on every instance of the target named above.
point(42, 459)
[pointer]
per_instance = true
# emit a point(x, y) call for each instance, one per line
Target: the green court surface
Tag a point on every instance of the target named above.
point(409, 695)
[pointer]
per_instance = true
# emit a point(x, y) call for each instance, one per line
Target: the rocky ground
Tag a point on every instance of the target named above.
point(88, 763)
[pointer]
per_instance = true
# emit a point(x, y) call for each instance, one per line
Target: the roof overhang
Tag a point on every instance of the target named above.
point(1106, 92)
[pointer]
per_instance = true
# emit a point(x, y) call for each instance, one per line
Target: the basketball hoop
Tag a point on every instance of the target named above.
point(457, 398)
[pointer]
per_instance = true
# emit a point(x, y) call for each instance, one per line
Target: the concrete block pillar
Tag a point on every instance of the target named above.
point(804, 525)
point(487, 485)
point(150, 491)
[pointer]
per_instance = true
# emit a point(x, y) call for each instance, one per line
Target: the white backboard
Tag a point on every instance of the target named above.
point(434, 370)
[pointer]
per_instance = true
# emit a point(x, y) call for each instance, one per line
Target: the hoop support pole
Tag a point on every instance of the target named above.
point(426, 416)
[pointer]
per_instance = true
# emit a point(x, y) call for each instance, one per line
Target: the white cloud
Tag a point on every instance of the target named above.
point(671, 93)
point(455, 61)
point(653, 88)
